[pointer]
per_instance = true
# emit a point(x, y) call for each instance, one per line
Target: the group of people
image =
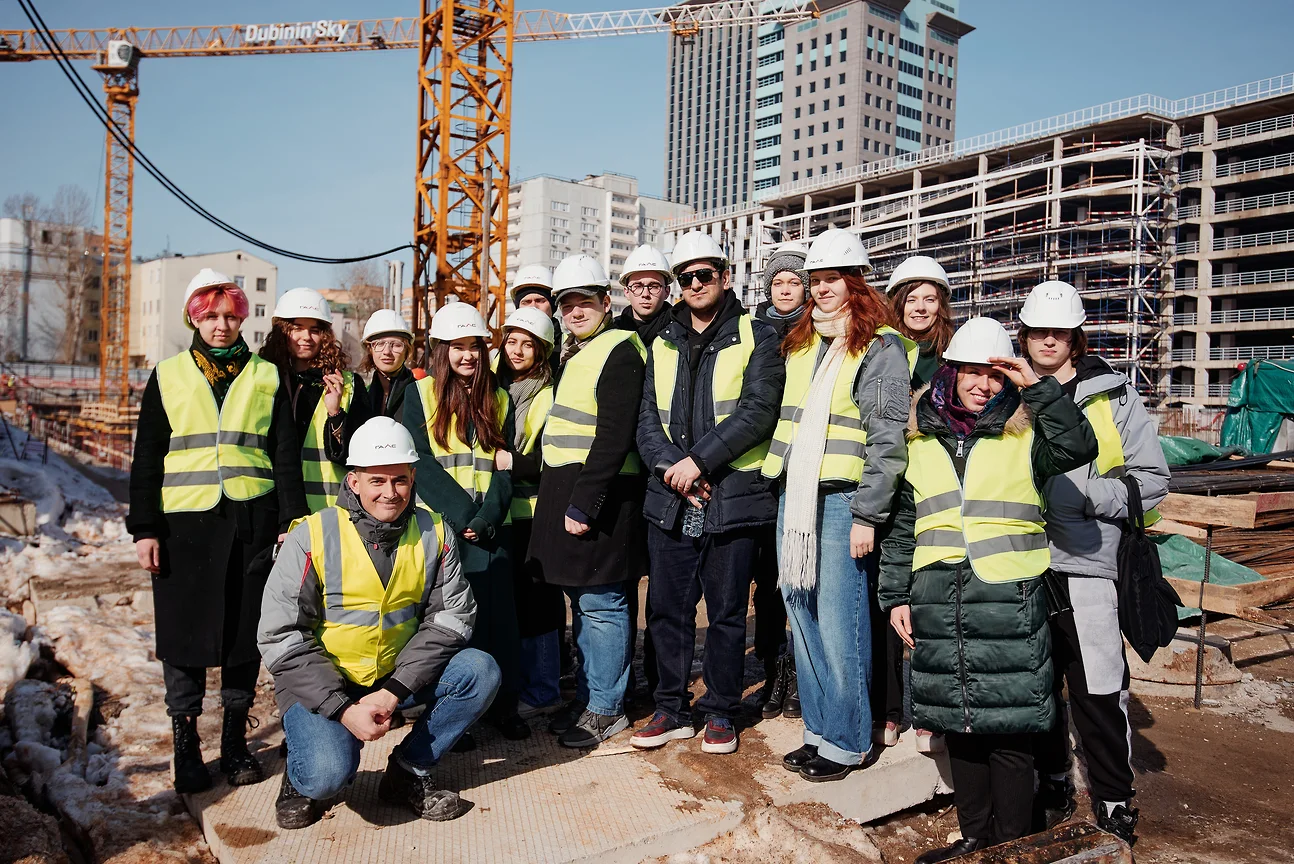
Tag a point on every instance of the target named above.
point(404, 549)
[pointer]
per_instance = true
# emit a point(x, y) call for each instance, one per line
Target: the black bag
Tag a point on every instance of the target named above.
point(1147, 603)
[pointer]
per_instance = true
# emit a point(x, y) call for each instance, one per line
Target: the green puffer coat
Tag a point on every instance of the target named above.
point(982, 661)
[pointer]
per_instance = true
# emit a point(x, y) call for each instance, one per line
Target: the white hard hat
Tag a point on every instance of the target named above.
point(457, 320)
point(385, 321)
point(647, 259)
point(697, 246)
point(1053, 304)
point(977, 340)
point(581, 273)
point(837, 249)
point(918, 268)
point(303, 303)
point(532, 275)
point(533, 321)
point(381, 441)
point(206, 278)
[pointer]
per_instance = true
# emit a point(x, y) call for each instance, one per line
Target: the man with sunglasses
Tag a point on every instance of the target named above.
point(646, 280)
point(710, 402)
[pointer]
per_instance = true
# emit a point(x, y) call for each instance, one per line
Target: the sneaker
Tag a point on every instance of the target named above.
point(1122, 823)
point(592, 729)
point(720, 736)
point(1053, 803)
point(401, 786)
point(565, 718)
point(293, 810)
point(526, 711)
point(660, 730)
point(887, 735)
point(929, 742)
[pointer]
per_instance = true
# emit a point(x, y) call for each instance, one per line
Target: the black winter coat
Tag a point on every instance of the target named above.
point(646, 330)
point(738, 498)
point(213, 564)
point(615, 548)
point(304, 392)
point(379, 403)
point(782, 325)
point(982, 661)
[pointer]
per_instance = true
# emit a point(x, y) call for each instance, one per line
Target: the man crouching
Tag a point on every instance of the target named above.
point(367, 611)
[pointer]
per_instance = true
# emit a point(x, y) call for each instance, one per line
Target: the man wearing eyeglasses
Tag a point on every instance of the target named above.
point(711, 397)
point(646, 280)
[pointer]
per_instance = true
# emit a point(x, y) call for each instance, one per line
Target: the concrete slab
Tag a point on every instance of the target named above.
point(533, 801)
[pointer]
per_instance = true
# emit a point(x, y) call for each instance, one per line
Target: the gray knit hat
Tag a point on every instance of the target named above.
point(787, 259)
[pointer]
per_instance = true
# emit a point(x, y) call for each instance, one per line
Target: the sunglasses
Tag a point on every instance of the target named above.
point(705, 276)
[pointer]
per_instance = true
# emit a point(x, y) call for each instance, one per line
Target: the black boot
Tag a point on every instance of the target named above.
point(190, 773)
point(1122, 823)
point(820, 769)
point(1053, 803)
point(236, 761)
point(773, 695)
point(511, 727)
point(964, 846)
point(797, 759)
point(791, 705)
point(294, 810)
point(401, 786)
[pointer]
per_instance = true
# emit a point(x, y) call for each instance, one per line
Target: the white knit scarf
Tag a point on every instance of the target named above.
point(799, 559)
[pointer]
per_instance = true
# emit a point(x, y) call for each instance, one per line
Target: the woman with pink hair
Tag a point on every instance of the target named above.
point(216, 480)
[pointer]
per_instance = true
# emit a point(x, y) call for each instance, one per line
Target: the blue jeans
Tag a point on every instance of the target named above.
point(832, 631)
point(323, 755)
point(600, 619)
point(541, 669)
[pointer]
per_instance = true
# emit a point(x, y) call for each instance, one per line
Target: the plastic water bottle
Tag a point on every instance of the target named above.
point(693, 521)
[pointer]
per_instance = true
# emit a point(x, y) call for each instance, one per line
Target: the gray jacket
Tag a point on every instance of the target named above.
point(1085, 511)
point(292, 609)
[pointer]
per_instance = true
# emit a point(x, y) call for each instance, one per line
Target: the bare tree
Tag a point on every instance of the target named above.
point(366, 282)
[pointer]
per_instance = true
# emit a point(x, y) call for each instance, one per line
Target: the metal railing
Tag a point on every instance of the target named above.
point(888, 237)
point(1187, 283)
point(1249, 241)
point(1121, 108)
point(1219, 391)
point(1192, 176)
point(1193, 139)
point(1252, 316)
point(1244, 130)
point(1186, 390)
point(1188, 212)
point(1188, 247)
point(1255, 277)
point(1253, 352)
point(1254, 202)
point(1249, 166)
point(1182, 355)
point(1184, 319)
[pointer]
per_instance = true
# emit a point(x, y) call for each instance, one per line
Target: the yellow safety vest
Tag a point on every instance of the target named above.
point(524, 495)
point(729, 375)
point(1109, 457)
point(846, 431)
point(366, 625)
point(471, 467)
point(993, 516)
point(216, 449)
point(323, 477)
point(573, 419)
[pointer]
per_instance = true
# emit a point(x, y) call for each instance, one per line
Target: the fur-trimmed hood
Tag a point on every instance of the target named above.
point(923, 419)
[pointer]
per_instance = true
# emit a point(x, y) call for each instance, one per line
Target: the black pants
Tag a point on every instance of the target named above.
point(887, 669)
point(186, 685)
point(770, 610)
point(992, 784)
point(649, 648)
point(1101, 721)
point(683, 570)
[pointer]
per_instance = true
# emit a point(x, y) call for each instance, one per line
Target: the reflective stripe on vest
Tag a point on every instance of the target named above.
point(994, 516)
point(573, 419)
point(323, 477)
point(524, 495)
point(365, 625)
point(728, 376)
point(471, 467)
point(216, 449)
point(1110, 459)
point(842, 459)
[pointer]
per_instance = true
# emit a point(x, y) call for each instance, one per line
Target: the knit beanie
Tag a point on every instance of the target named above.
point(518, 293)
point(785, 260)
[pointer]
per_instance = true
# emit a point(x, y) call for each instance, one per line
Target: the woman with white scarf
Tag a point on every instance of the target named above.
point(839, 451)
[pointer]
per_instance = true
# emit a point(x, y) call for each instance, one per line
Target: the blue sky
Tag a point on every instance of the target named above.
point(316, 153)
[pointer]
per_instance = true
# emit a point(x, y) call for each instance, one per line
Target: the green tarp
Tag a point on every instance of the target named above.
point(1260, 399)
point(1180, 450)
point(1183, 558)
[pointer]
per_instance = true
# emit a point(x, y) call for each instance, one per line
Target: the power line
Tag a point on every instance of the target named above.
point(87, 96)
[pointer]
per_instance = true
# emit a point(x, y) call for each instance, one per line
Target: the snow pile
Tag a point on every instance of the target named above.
point(16, 655)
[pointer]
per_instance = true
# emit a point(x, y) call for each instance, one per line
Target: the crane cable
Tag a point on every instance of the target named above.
point(86, 95)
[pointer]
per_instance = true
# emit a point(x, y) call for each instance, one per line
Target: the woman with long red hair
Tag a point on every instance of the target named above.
point(460, 418)
point(840, 453)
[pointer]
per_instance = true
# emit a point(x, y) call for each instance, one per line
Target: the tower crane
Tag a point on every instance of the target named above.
point(460, 234)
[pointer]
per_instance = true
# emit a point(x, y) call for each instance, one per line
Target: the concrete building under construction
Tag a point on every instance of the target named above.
point(1168, 215)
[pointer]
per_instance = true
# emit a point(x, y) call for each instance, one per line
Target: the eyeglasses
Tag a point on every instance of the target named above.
point(638, 289)
point(386, 346)
point(705, 276)
point(1058, 333)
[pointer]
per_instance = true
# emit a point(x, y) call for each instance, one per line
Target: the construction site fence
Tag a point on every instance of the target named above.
point(62, 437)
point(1190, 421)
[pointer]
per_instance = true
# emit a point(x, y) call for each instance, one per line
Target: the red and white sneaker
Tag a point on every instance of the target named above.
point(659, 731)
point(720, 736)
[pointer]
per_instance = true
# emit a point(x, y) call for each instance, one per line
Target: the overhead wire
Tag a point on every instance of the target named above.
point(88, 97)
